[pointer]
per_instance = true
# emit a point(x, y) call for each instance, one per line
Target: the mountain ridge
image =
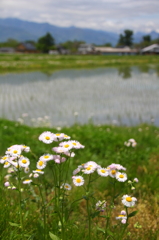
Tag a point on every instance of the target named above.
point(22, 30)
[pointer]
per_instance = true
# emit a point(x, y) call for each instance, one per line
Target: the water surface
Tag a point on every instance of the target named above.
point(124, 96)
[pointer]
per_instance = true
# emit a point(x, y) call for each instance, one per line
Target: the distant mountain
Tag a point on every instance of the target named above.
point(24, 30)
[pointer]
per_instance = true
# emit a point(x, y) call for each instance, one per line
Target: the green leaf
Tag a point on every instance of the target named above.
point(132, 214)
point(14, 224)
point(95, 214)
point(53, 237)
point(101, 229)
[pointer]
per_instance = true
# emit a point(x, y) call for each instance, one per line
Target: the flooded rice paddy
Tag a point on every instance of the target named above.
point(123, 96)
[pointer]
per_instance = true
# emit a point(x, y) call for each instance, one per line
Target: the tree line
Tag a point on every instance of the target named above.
point(47, 42)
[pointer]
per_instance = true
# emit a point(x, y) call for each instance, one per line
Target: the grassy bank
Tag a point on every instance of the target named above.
point(104, 145)
point(45, 62)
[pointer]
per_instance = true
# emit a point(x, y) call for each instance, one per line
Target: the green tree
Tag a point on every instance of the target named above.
point(147, 38)
point(45, 43)
point(126, 39)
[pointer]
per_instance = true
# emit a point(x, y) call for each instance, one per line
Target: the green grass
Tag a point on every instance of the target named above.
point(104, 145)
point(50, 63)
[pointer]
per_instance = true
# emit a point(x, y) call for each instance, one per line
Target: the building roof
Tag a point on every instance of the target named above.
point(151, 48)
point(114, 50)
point(29, 46)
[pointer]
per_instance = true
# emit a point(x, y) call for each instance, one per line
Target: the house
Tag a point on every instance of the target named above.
point(86, 48)
point(62, 50)
point(7, 50)
point(26, 48)
point(115, 51)
point(152, 49)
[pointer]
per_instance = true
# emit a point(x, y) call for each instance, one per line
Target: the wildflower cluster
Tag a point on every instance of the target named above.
point(14, 161)
point(59, 157)
point(130, 143)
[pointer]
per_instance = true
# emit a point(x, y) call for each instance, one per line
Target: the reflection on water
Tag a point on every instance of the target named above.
point(125, 72)
point(67, 96)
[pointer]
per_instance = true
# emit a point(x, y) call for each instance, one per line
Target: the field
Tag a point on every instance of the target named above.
point(45, 62)
point(103, 145)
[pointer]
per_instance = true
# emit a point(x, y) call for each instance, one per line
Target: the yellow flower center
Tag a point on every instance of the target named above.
point(129, 199)
point(74, 143)
point(41, 163)
point(6, 163)
point(66, 186)
point(121, 216)
point(113, 172)
point(103, 171)
point(15, 151)
point(66, 145)
point(78, 180)
point(39, 170)
point(88, 168)
point(121, 176)
point(46, 156)
point(47, 138)
point(65, 136)
point(58, 134)
point(24, 161)
point(4, 158)
point(27, 180)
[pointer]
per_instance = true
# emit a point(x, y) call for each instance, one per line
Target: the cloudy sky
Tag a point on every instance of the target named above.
point(107, 15)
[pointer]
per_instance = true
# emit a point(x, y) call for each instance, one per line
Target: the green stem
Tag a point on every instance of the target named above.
point(44, 210)
point(88, 210)
point(20, 201)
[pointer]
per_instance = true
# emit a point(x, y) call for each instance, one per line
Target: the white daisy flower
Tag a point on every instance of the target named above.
point(78, 180)
point(46, 157)
point(128, 201)
point(122, 216)
point(112, 173)
point(6, 164)
point(103, 172)
point(15, 151)
point(47, 137)
point(41, 164)
point(24, 162)
point(76, 144)
point(66, 136)
point(66, 145)
point(58, 136)
point(88, 170)
point(91, 164)
point(4, 158)
point(25, 148)
point(116, 167)
point(60, 150)
point(66, 186)
point(61, 136)
point(27, 181)
point(101, 205)
point(38, 171)
point(121, 177)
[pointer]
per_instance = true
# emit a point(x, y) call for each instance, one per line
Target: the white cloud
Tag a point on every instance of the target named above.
point(108, 15)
